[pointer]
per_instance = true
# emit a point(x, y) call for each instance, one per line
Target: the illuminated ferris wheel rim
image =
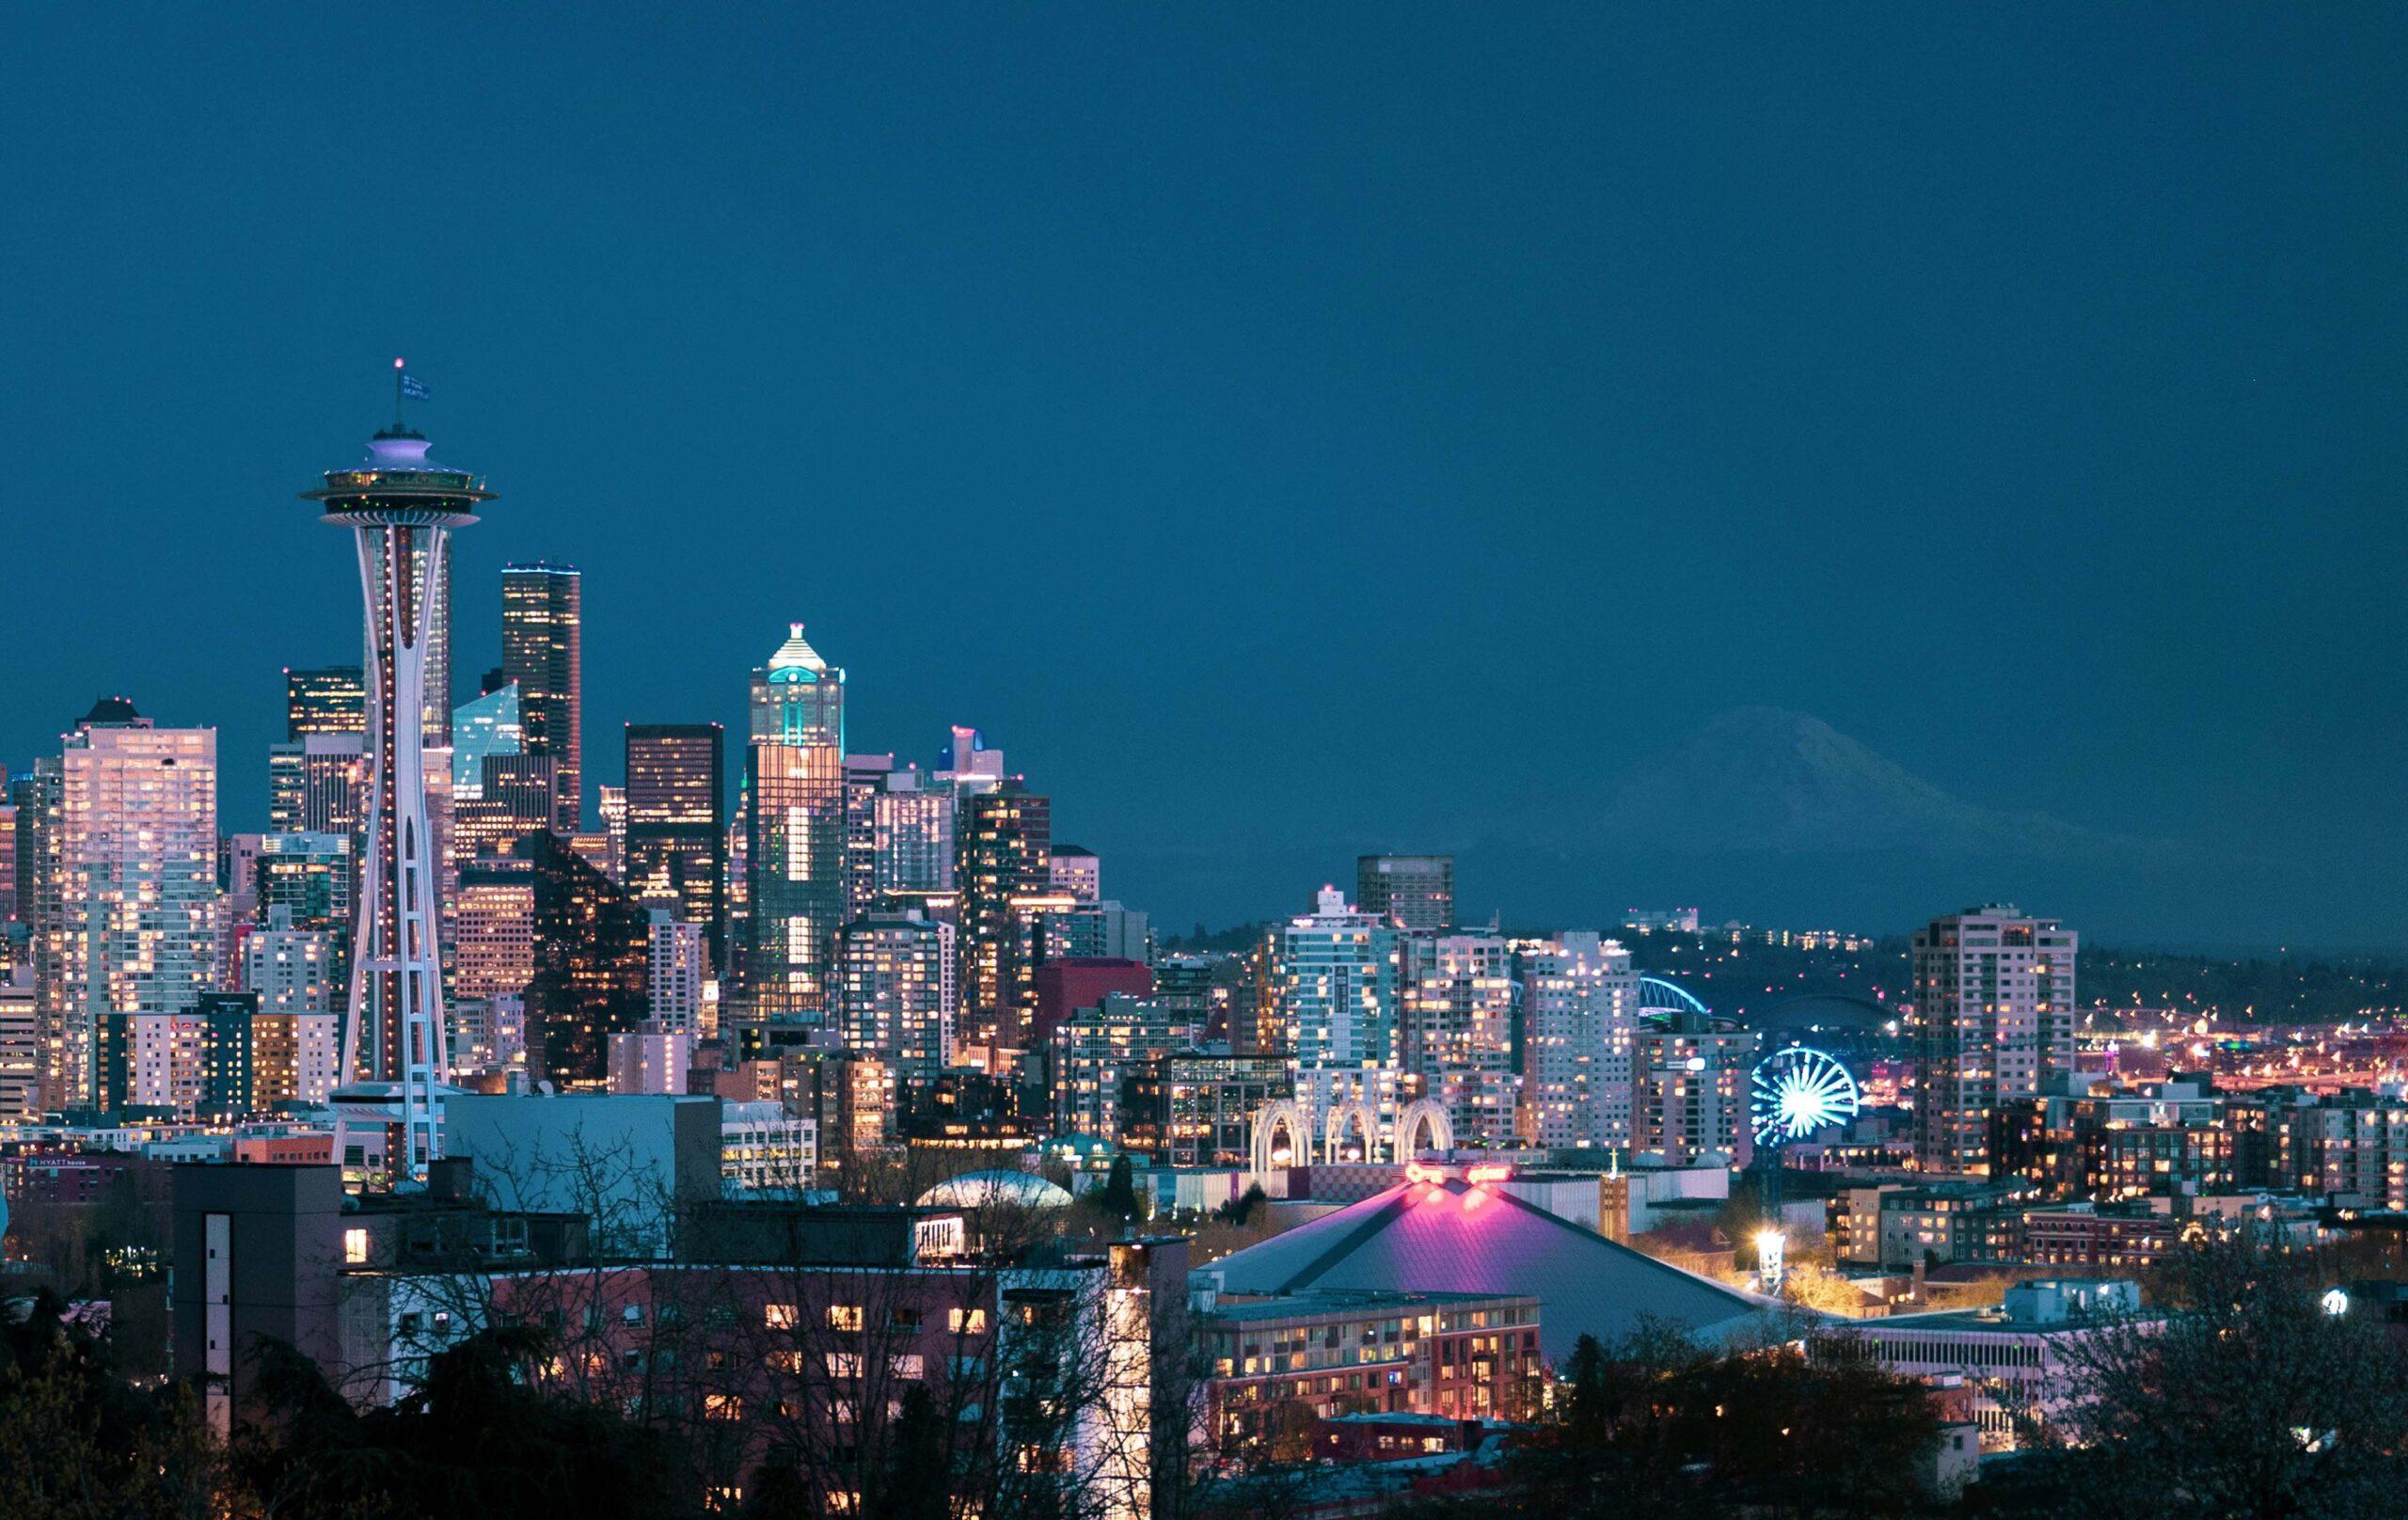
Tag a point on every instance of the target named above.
point(1797, 1090)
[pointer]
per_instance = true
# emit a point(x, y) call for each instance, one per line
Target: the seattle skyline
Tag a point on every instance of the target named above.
point(941, 371)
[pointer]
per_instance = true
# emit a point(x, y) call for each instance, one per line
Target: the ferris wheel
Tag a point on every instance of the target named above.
point(1796, 1091)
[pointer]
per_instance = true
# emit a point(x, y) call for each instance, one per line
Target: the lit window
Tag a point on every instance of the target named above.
point(722, 1406)
point(844, 1316)
point(780, 1316)
point(355, 1246)
point(966, 1322)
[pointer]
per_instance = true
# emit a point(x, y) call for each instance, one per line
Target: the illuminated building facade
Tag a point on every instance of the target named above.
point(137, 891)
point(542, 654)
point(677, 970)
point(1209, 1103)
point(310, 877)
point(165, 1059)
point(292, 969)
point(795, 779)
point(317, 784)
point(1077, 872)
point(897, 997)
point(1413, 892)
point(1334, 983)
point(677, 823)
point(1102, 1054)
point(913, 846)
point(330, 700)
point(1690, 1096)
point(1456, 1355)
point(20, 1047)
point(1993, 1021)
point(1004, 845)
point(593, 965)
point(488, 725)
point(1456, 1028)
point(1580, 1015)
point(494, 950)
point(517, 795)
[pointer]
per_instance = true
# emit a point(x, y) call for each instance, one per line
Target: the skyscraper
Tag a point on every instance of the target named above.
point(401, 507)
point(543, 651)
point(1993, 1021)
point(593, 965)
point(488, 725)
point(138, 890)
point(517, 795)
point(496, 953)
point(331, 700)
point(1418, 891)
point(677, 823)
point(912, 856)
point(1004, 846)
point(317, 784)
point(42, 831)
point(291, 969)
point(794, 778)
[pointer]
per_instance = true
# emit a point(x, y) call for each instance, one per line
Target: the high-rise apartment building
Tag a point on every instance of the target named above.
point(897, 996)
point(137, 889)
point(1108, 1064)
point(1992, 1021)
point(9, 912)
point(795, 784)
point(163, 1059)
point(1414, 892)
point(678, 970)
point(543, 653)
point(1579, 1016)
point(1690, 1092)
point(292, 969)
point(1456, 1027)
point(253, 1059)
point(20, 1047)
point(676, 824)
point(1004, 846)
point(1333, 986)
point(330, 700)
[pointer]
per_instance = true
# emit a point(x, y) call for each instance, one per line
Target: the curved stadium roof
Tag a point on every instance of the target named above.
point(1459, 1236)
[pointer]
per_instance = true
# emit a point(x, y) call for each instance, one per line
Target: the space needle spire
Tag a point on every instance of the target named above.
point(401, 507)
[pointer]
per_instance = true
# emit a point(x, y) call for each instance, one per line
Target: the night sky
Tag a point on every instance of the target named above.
point(1285, 430)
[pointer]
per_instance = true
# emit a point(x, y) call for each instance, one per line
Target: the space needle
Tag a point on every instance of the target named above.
point(401, 507)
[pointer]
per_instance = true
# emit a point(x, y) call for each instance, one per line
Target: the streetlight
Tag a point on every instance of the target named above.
point(1769, 1247)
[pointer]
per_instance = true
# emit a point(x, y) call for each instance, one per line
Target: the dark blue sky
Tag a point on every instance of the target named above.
point(1285, 430)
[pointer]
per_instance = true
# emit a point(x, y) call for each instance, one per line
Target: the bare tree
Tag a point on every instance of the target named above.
point(2247, 1392)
